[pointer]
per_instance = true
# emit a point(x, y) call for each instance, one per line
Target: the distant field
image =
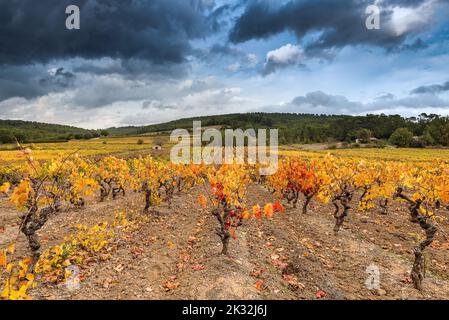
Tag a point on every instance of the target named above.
point(130, 145)
point(101, 146)
point(374, 153)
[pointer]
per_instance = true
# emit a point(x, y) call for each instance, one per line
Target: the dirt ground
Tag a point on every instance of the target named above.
point(291, 256)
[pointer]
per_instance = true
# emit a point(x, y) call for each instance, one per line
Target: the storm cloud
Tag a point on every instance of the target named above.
point(153, 30)
point(434, 88)
point(319, 102)
point(338, 23)
point(135, 39)
point(146, 61)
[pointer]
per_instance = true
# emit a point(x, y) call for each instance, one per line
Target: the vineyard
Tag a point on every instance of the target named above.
point(76, 227)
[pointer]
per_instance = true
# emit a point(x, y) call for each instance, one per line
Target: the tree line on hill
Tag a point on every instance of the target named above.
point(29, 131)
point(424, 130)
point(421, 131)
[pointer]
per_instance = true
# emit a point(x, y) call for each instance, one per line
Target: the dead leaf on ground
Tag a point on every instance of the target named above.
point(186, 257)
point(259, 285)
point(256, 273)
point(136, 252)
point(171, 283)
point(170, 244)
point(320, 294)
point(293, 282)
point(407, 280)
point(119, 268)
point(198, 267)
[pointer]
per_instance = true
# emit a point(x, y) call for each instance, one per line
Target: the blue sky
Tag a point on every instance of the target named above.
point(159, 60)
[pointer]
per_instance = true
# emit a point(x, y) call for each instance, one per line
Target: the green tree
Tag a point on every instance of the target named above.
point(364, 134)
point(6, 136)
point(402, 138)
point(427, 139)
point(104, 133)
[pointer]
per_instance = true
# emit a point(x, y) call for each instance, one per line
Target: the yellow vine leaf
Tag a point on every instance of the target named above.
point(11, 248)
point(268, 210)
point(202, 201)
point(2, 259)
point(5, 187)
point(21, 193)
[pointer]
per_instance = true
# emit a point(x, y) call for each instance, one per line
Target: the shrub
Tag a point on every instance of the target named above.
point(418, 143)
point(364, 135)
point(402, 138)
point(378, 144)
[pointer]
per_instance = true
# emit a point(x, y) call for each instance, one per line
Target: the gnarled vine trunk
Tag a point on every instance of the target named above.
point(222, 230)
point(147, 191)
point(33, 221)
point(418, 271)
point(104, 190)
point(343, 200)
point(383, 204)
point(117, 190)
point(224, 218)
point(306, 203)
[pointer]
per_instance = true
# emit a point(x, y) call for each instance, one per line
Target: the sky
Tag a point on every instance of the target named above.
point(139, 62)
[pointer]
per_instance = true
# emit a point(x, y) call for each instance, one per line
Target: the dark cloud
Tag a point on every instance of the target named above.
point(31, 81)
point(20, 82)
point(131, 68)
point(147, 39)
point(405, 3)
point(339, 22)
point(217, 19)
point(238, 58)
point(157, 31)
point(155, 104)
point(321, 102)
point(385, 96)
point(434, 89)
point(219, 50)
point(58, 77)
point(417, 45)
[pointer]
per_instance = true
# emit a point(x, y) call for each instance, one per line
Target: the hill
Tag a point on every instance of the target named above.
point(293, 128)
point(309, 128)
point(30, 131)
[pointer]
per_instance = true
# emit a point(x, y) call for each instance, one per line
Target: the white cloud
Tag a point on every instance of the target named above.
point(233, 67)
point(109, 100)
point(252, 60)
point(288, 55)
point(319, 102)
point(407, 19)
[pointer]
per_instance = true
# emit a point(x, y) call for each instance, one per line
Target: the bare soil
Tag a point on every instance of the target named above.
point(291, 256)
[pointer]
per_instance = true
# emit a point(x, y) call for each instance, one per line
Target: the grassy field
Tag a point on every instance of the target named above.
point(94, 147)
point(387, 154)
point(130, 146)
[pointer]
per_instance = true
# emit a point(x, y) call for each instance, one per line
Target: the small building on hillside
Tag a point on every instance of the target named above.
point(364, 141)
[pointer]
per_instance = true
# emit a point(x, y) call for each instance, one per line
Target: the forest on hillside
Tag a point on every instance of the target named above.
point(421, 131)
point(431, 129)
point(30, 131)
